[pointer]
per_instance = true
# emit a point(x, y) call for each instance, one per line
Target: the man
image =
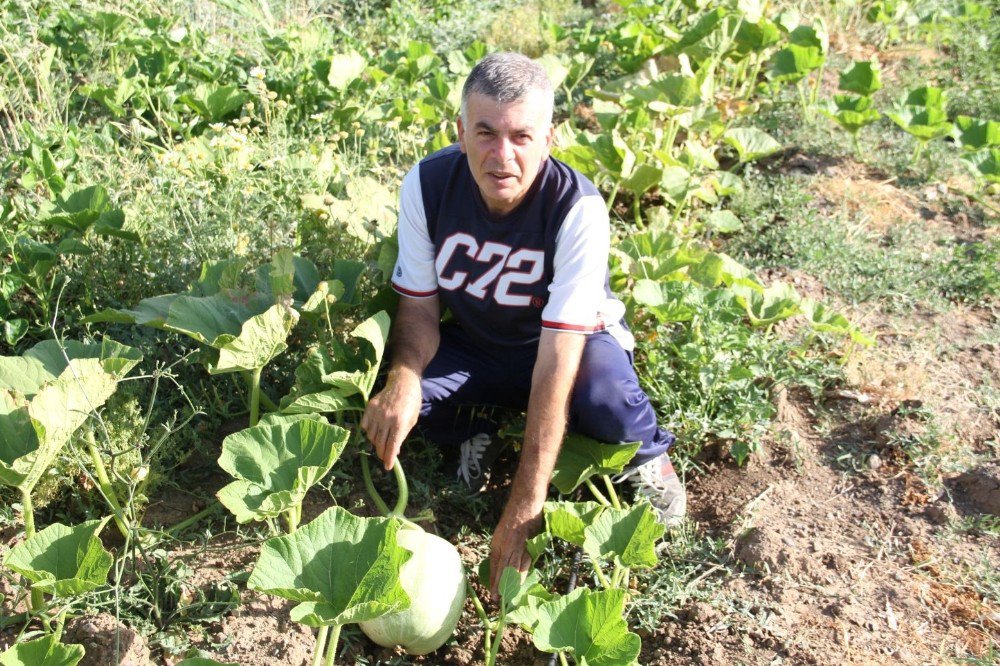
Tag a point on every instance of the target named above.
point(515, 244)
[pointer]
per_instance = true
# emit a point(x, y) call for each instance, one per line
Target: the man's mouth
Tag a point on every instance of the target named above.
point(502, 176)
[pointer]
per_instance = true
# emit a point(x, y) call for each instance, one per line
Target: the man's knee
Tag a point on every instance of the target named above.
point(612, 410)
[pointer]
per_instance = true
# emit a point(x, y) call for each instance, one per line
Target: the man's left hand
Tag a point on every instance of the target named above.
point(520, 521)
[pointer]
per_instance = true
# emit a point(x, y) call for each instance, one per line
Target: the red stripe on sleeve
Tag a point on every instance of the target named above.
point(560, 326)
point(413, 294)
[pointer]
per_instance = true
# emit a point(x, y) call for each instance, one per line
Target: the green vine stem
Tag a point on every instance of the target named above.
point(255, 396)
point(331, 645)
point(601, 578)
point(404, 490)
point(402, 487)
point(611, 491)
point(562, 659)
point(37, 599)
point(491, 656)
point(597, 493)
point(291, 520)
point(29, 513)
point(213, 506)
point(366, 474)
point(105, 484)
point(320, 644)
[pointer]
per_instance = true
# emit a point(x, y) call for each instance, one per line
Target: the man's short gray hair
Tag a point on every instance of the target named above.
point(508, 77)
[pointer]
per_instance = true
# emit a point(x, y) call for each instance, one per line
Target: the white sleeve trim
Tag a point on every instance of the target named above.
point(414, 274)
point(580, 264)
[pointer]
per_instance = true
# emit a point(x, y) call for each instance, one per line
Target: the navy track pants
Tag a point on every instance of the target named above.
point(463, 381)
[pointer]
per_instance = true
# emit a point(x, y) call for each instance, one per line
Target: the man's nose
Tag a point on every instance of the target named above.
point(504, 149)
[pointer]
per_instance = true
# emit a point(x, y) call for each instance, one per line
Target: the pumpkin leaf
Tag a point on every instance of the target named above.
point(863, 78)
point(345, 68)
point(975, 134)
point(63, 561)
point(213, 103)
point(582, 457)
point(54, 412)
point(751, 143)
point(343, 569)
point(668, 301)
point(851, 112)
point(44, 651)
point(986, 163)
point(275, 463)
point(588, 625)
point(627, 535)
point(723, 221)
point(774, 303)
point(568, 520)
point(261, 338)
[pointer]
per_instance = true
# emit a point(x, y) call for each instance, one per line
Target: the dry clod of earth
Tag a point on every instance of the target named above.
point(980, 488)
point(106, 641)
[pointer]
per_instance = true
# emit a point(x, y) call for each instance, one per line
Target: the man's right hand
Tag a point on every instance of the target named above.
point(392, 413)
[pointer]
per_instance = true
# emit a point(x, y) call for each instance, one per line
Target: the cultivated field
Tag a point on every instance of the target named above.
point(197, 227)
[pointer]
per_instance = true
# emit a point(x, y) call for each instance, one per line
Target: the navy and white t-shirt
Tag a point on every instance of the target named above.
point(543, 265)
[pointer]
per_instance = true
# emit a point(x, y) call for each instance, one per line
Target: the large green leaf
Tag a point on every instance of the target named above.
point(63, 561)
point(330, 378)
point(794, 62)
point(986, 163)
point(851, 112)
point(751, 143)
point(670, 94)
point(345, 68)
point(213, 102)
point(17, 438)
point(588, 625)
point(342, 568)
point(86, 208)
point(211, 320)
point(56, 411)
point(45, 361)
point(523, 605)
point(776, 302)
point(822, 318)
point(44, 651)
point(863, 78)
point(975, 134)
point(275, 464)
point(55, 355)
point(668, 301)
point(568, 520)
point(627, 535)
point(261, 338)
point(924, 123)
point(582, 457)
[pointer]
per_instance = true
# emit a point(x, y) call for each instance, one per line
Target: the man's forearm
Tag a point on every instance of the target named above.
point(551, 386)
point(415, 337)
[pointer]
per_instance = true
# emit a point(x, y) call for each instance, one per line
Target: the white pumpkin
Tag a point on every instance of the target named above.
point(434, 579)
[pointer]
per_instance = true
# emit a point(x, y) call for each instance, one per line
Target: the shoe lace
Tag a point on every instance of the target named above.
point(471, 455)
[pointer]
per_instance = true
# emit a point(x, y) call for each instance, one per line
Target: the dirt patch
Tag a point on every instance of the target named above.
point(979, 488)
point(106, 641)
point(261, 633)
point(876, 203)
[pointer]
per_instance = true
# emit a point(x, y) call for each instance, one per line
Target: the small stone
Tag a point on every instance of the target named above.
point(941, 514)
point(874, 461)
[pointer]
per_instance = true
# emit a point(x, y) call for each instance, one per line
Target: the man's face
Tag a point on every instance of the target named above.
point(506, 144)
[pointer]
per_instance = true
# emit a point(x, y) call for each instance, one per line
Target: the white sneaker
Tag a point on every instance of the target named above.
point(657, 481)
point(476, 455)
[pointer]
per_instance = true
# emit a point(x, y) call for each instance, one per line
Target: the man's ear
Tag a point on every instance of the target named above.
point(550, 137)
point(461, 134)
